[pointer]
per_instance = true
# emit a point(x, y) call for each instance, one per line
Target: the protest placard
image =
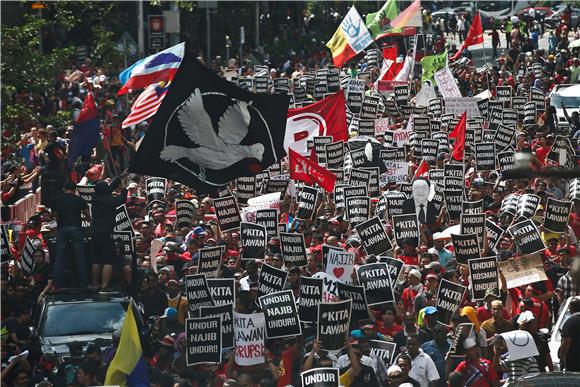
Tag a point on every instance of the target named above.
point(253, 238)
point(226, 313)
point(383, 350)
point(227, 213)
point(222, 290)
point(356, 294)
point(340, 264)
point(557, 215)
point(307, 203)
point(310, 296)
point(271, 280)
point(358, 209)
point(466, 247)
point(376, 280)
point(281, 315)
point(483, 275)
point(293, 249)
point(250, 335)
point(204, 340)
point(155, 189)
point(449, 297)
point(525, 270)
point(527, 237)
point(209, 260)
point(461, 332)
point(333, 324)
point(320, 377)
point(197, 292)
point(373, 236)
point(406, 227)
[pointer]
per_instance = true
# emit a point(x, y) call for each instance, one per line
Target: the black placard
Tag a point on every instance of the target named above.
point(122, 221)
point(401, 93)
point(474, 224)
point(483, 107)
point(197, 292)
point(245, 188)
point(453, 183)
point(429, 149)
point(277, 185)
point(27, 257)
point(253, 237)
point(310, 297)
point(493, 233)
point(6, 253)
point(483, 275)
point(504, 94)
point(268, 218)
point(222, 290)
point(155, 188)
point(383, 350)
point(307, 203)
point(299, 94)
point(261, 84)
point(395, 200)
point(530, 113)
point(184, 213)
point(333, 80)
point(354, 95)
point(509, 204)
point(209, 260)
point(350, 191)
point(454, 200)
point(394, 266)
point(506, 160)
point(557, 215)
point(527, 237)
point(271, 280)
point(339, 198)
point(373, 186)
point(437, 176)
point(504, 137)
point(369, 108)
point(281, 315)
point(376, 280)
point(373, 236)
point(366, 127)
point(475, 207)
point(227, 213)
point(436, 106)
point(466, 247)
point(359, 311)
point(226, 312)
point(333, 324)
point(319, 143)
point(320, 377)
point(449, 297)
point(204, 340)
point(519, 105)
point(293, 249)
point(461, 332)
point(358, 209)
point(509, 118)
point(334, 155)
point(87, 192)
point(124, 242)
point(485, 156)
point(406, 227)
point(453, 170)
point(359, 178)
point(527, 205)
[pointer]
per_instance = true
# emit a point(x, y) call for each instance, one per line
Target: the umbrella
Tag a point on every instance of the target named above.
point(451, 230)
point(574, 44)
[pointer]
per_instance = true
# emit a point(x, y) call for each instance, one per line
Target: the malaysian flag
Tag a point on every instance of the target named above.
point(146, 104)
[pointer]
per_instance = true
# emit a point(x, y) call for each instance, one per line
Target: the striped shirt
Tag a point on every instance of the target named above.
point(566, 287)
point(518, 368)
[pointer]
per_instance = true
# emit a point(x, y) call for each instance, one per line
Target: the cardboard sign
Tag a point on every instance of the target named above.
point(320, 377)
point(369, 108)
point(485, 156)
point(395, 172)
point(254, 242)
point(459, 105)
point(319, 143)
point(509, 204)
point(429, 150)
point(406, 227)
point(27, 257)
point(209, 260)
point(373, 236)
point(557, 215)
point(375, 279)
point(226, 313)
point(446, 83)
point(527, 237)
point(122, 221)
point(506, 160)
point(395, 268)
point(504, 137)
point(374, 184)
point(340, 264)
point(307, 203)
point(383, 350)
point(204, 340)
point(530, 113)
point(483, 107)
point(358, 209)
point(184, 213)
point(293, 249)
point(519, 105)
point(483, 275)
point(250, 335)
point(339, 198)
point(525, 270)
point(466, 247)
point(395, 200)
point(333, 324)
point(281, 315)
point(493, 233)
point(436, 106)
point(222, 290)
point(449, 297)
point(197, 292)
point(509, 118)
point(271, 280)
point(276, 185)
point(155, 188)
point(310, 296)
point(357, 295)
point(401, 93)
point(461, 332)
point(453, 183)
point(504, 94)
point(245, 188)
point(359, 178)
point(227, 213)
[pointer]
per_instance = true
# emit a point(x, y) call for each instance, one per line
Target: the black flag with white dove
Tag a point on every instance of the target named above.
point(208, 132)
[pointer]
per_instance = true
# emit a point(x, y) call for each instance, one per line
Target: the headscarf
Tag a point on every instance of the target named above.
point(472, 316)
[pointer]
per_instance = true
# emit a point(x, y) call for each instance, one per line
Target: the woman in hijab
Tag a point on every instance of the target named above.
point(478, 334)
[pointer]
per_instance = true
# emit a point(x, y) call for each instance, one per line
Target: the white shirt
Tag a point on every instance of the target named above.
point(343, 362)
point(423, 369)
point(245, 283)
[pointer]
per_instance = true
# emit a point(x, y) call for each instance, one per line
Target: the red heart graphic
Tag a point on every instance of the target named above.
point(338, 271)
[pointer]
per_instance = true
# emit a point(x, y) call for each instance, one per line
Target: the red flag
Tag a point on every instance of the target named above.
point(323, 118)
point(458, 134)
point(474, 36)
point(305, 170)
point(390, 52)
point(422, 170)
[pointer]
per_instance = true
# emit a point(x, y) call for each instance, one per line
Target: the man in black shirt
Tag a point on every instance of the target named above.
point(68, 208)
point(569, 352)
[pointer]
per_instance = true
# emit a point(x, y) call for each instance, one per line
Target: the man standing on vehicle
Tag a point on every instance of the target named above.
point(569, 352)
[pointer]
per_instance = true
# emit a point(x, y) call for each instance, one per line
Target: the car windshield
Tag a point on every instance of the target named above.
point(569, 102)
point(82, 318)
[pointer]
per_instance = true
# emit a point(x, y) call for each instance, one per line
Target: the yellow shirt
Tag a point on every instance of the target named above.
point(180, 306)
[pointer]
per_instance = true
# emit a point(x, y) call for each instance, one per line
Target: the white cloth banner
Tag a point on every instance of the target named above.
point(446, 83)
point(459, 105)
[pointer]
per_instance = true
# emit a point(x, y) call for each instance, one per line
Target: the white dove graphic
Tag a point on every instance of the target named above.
point(215, 151)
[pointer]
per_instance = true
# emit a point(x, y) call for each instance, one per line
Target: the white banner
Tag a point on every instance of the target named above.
point(396, 172)
point(249, 334)
point(446, 83)
point(459, 105)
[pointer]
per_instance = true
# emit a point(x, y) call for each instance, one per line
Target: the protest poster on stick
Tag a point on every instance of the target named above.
point(374, 237)
point(184, 213)
point(204, 340)
point(483, 275)
point(209, 260)
point(527, 237)
point(340, 264)
point(466, 247)
point(333, 324)
point(449, 297)
point(307, 203)
point(222, 290)
point(281, 315)
point(197, 292)
point(461, 332)
point(250, 336)
point(227, 213)
point(406, 227)
point(155, 189)
point(271, 280)
point(358, 209)
point(383, 350)
point(355, 293)
point(269, 219)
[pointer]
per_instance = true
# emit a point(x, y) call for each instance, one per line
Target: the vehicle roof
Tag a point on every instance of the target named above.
point(86, 297)
point(570, 91)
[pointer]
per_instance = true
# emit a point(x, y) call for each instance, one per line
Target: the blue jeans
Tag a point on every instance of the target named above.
point(75, 236)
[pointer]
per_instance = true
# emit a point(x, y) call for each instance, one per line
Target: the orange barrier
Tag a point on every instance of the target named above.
point(25, 207)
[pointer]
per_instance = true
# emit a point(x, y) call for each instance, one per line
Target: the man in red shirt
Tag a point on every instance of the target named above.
point(476, 372)
point(543, 149)
point(415, 288)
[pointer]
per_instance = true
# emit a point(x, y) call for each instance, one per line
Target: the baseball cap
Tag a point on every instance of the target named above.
point(430, 310)
point(415, 273)
point(132, 185)
point(170, 313)
point(525, 317)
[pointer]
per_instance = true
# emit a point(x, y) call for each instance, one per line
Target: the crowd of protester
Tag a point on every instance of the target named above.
point(66, 257)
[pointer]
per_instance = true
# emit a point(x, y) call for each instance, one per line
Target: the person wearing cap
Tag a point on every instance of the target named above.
point(476, 371)
point(527, 322)
point(163, 359)
point(176, 300)
point(437, 350)
point(439, 249)
point(496, 324)
point(484, 312)
point(357, 363)
point(413, 290)
point(512, 369)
